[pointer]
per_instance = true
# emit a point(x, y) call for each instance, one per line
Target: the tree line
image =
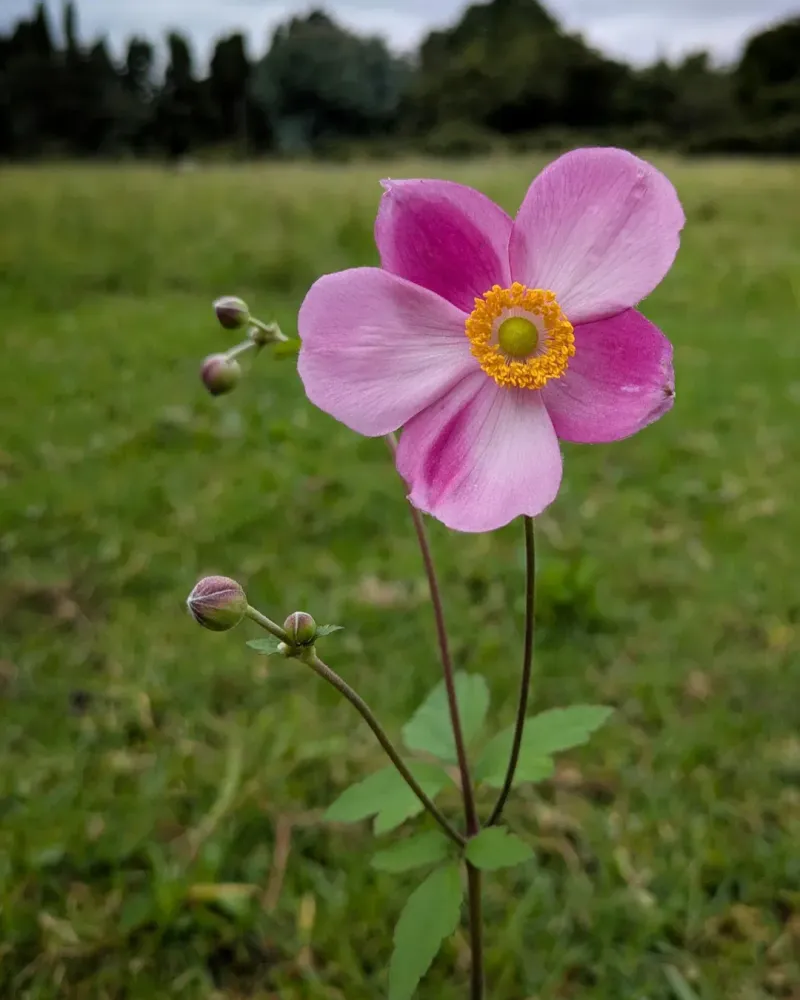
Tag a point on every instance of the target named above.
point(506, 72)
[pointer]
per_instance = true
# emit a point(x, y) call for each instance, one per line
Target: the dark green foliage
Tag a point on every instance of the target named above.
point(505, 73)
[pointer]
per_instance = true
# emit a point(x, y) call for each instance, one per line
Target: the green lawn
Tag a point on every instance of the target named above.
point(144, 758)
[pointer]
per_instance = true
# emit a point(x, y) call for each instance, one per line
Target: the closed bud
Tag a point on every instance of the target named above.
point(266, 333)
point(301, 628)
point(220, 374)
point(217, 603)
point(232, 313)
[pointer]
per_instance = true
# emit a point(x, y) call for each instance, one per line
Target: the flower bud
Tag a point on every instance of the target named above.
point(220, 374)
point(232, 313)
point(217, 603)
point(268, 333)
point(301, 628)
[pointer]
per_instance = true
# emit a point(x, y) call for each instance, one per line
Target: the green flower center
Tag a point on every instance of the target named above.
point(517, 337)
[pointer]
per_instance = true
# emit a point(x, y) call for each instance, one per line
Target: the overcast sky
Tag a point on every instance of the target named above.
point(638, 30)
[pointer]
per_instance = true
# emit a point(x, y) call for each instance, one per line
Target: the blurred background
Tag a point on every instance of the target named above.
point(177, 78)
point(162, 788)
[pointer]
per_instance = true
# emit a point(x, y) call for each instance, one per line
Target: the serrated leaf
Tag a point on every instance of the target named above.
point(422, 849)
point(386, 794)
point(429, 917)
point(545, 734)
point(266, 646)
point(365, 798)
point(327, 629)
point(563, 728)
point(429, 729)
point(495, 847)
point(405, 803)
point(493, 762)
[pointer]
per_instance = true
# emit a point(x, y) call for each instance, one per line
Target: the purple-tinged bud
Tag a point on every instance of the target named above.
point(301, 628)
point(217, 603)
point(232, 313)
point(220, 374)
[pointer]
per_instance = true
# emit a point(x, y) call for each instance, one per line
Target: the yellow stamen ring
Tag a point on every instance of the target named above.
point(502, 325)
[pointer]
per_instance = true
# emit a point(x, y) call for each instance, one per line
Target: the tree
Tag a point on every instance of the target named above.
point(228, 87)
point(508, 66)
point(182, 118)
point(29, 78)
point(319, 81)
point(138, 93)
point(767, 78)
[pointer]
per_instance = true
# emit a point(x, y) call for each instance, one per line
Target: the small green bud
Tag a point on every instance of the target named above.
point(220, 374)
point(217, 603)
point(232, 313)
point(301, 627)
point(266, 333)
point(284, 649)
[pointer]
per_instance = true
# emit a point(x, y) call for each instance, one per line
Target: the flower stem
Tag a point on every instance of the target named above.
point(268, 624)
point(527, 664)
point(235, 352)
point(470, 812)
point(309, 656)
point(475, 904)
point(272, 329)
point(467, 790)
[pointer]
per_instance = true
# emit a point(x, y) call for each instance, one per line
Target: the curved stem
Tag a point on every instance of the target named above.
point(239, 349)
point(475, 931)
point(268, 624)
point(309, 656)
point(527, 665)
point(470, 812)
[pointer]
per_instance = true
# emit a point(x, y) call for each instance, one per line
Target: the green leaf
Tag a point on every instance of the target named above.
point(266, 646)
point(430, 730)
point(544, 735)
point(422, 849)
point(365, 798)
point(405, 803)
point(493, 762)
point(386, 794)
point(563, 728)
point(495, 847)
point(286, 349)
point(235, 897)
point(429, 917)
point(327, 629)
point(679, 986)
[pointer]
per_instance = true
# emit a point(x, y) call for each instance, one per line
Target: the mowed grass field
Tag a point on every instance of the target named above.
point(162, 787)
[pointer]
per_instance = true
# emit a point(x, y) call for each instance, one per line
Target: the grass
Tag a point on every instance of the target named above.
point(147, 765)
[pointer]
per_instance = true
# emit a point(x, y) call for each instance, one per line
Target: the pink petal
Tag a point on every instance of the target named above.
point(619, 381)
point(443, 236)
point(377, 349)
point(481, 456)
point(600, 228)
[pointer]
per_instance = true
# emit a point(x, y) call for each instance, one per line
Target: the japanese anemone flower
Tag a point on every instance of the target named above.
point(487, 339)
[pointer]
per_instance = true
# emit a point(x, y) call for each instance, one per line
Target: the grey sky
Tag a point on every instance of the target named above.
point(638, 30)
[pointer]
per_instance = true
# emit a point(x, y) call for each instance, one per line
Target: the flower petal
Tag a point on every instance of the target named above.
point(600, 228)
point(377, 349)
point(481, 456)
point(443, 236)
point(619, 381)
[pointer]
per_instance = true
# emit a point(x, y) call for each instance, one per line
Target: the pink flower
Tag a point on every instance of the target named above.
point(487, 339)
